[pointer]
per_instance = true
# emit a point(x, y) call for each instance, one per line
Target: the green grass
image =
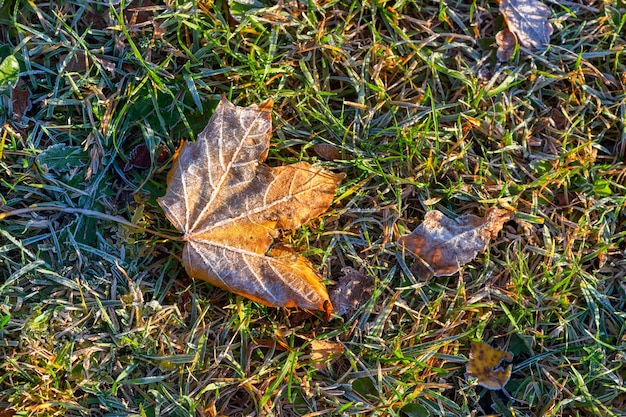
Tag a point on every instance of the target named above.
point(99, 318)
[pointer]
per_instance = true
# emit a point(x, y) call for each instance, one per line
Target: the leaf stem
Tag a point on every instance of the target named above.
point(91, 213)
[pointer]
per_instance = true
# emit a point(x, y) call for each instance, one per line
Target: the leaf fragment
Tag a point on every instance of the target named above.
point(230, 208)
point(6, 412)
point(324, 351)
point(353, 289)
point(442, 245)
point(506, 45)
point(528, 20)
point(141, 158)
point(20, 97)
point(491, 367)
point(139, 13)
point(327, 151)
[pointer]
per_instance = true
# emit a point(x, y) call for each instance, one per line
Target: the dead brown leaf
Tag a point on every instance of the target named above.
point(230, 207)
point(487, 365)
point(528, 21)
point(79, 62)
point(140, 13)
point(442, 245)
point(94, 19)
point(353, 289)
point(323, 351)
point(327, 151)
point(506, 45)
point(20, 98)
point(6, 412)
point(140, 157)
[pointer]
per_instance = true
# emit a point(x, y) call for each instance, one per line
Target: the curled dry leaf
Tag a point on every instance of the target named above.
point(140, 157)
point(327, 151)
point(528, 20)
point(352, 290)
point(330, 152)
point(491, 367)
point(506, 45)
point(230, 208)
point(442, 245)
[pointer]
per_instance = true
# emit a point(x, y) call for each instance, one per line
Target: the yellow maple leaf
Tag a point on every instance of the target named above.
point(491, 367)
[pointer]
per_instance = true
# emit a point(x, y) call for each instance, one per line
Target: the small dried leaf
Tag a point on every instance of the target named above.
point(230, 208)
point(78, 62)
point(6, 412)
point(163, 155)
point(323, 351)
point(353, 289)
point(20, 98)
point(506, 45)
point(96, 20)
point(327, 151)
point(140, 157)
point(159, 30)
point(139, 13)
point(442, 245)
point(487, 365)
point(528, 20)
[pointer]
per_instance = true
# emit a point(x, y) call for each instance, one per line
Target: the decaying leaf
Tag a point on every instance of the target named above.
point(6, 412)
point(20, 97)
point(442, 245)
point(139, 13)
point(77, 62)
point(491, 367)
point(140, 157)
point(323, 351)
point(327, 151)
point(528, 20)
point(352, 290)
point(230, 208)
point(330, 152)
point(506, 45)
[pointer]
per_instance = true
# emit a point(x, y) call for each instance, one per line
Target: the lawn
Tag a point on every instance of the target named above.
point(409, 100)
